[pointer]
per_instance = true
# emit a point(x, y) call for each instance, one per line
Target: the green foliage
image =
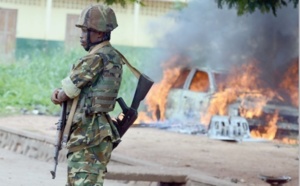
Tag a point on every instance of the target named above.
point(28, 83)
point(242, 6)
point(249, 6)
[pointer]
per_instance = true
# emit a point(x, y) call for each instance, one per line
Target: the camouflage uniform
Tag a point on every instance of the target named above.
point(96, 79)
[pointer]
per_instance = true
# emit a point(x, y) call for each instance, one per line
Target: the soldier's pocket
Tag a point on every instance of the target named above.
point(102, 152)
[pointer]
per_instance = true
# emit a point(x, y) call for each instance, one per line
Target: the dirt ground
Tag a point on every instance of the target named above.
point(241, 162)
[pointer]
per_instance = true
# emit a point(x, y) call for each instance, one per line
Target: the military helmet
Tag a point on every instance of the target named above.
point(98, 17)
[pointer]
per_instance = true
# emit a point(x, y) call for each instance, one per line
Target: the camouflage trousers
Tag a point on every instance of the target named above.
point(87, 167)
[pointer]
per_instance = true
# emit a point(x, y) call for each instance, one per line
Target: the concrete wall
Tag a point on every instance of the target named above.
point(46, 19)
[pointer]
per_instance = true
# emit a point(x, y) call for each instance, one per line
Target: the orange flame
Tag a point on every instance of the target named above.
point(290, 82)
point(269, 131)
point(157, 97)
point(200, 83)
point(242, 86)
point(290, 141)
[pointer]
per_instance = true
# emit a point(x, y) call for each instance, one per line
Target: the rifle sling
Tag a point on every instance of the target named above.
point(70, 118)
point(135, 72)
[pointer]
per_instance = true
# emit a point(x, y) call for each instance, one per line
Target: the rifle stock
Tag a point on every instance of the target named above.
point(59, 136)
point(130, 114)
point(143, 87)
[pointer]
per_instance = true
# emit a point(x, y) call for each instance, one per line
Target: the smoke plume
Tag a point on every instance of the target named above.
point(218, 38)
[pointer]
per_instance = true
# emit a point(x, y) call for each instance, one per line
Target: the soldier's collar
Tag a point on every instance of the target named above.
point(97, 47)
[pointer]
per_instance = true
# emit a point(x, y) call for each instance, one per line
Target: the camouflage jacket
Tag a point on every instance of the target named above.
point(90, 130)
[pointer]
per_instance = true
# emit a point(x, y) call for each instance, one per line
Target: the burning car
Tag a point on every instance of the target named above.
point(199, 93)
point(191, 93)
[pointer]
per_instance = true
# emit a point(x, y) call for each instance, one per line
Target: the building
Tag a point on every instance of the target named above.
point(26, 24)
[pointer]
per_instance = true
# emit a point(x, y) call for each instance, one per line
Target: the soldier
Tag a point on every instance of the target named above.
point(94, 81)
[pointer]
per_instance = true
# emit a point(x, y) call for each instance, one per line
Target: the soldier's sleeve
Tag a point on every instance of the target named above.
point(83, 73)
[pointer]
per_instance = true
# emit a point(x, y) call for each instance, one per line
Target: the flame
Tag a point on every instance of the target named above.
point(289, 141)
point(269, 131)
point(290, 82)
point(157, 97)
point(218, 104)
point(243, 86)
point(143, 118)
point(200, 83)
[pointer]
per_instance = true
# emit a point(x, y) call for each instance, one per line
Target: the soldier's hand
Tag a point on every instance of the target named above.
point(54, 97)
point(62, 96)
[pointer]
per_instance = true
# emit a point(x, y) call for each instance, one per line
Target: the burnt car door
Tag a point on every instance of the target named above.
point(189, 98)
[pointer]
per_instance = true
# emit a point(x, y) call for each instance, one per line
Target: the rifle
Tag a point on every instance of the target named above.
point(59, 136)
point(130, 114)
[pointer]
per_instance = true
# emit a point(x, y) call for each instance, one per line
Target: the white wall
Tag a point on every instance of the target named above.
point(33, 22)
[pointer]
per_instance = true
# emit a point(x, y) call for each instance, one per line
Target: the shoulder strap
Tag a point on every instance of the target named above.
point(100, 45)
point(135, 72)
point(70, 119)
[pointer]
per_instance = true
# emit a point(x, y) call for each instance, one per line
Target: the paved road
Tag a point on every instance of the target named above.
point(19, 170)
point(228, 161)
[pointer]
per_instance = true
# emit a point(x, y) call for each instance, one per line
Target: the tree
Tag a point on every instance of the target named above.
point(242, 6)
point(249, 6)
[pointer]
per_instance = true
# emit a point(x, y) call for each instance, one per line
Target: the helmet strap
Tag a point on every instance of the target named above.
point(106, 37)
